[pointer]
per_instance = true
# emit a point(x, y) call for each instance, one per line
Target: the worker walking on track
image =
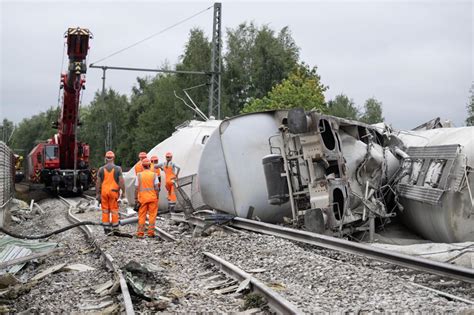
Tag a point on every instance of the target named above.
point(146, 194)
point(139, 166)
point(109, 184)
point(171, 170)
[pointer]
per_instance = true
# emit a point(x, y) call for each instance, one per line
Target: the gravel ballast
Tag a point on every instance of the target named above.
point(313, 279)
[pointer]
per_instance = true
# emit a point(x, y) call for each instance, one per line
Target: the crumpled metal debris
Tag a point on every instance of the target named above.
point(146, 281)
point(12, 248)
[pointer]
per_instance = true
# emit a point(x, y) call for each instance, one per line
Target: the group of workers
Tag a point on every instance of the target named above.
point(110, 188)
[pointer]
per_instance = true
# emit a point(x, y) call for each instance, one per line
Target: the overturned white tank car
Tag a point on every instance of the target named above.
point(327, 174)
point(337, 177)
point(186, 144)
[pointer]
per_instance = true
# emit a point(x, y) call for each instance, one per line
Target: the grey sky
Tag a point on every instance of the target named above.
point(416, 57)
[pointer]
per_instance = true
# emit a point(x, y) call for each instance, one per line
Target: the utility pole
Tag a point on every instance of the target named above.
point(108, 138)
point(216, 64)
point(103, 80)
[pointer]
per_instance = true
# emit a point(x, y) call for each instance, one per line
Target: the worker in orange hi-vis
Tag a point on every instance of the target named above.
point(109, 184)
point(171, 170)
point(146, 195)
point(138, 166)
point(155, 167)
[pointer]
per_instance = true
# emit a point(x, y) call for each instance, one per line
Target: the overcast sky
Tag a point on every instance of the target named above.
point(415, 57)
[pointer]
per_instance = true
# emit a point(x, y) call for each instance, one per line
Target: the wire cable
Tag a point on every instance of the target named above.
point(153, 35)
point(37, 237)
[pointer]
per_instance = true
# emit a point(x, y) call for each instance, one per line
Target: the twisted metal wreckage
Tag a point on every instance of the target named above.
point(326, 174)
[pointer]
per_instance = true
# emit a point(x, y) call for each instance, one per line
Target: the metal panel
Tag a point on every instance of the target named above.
point(13, 252)
point(423, 194)
point(436, 152)
point(7, 170)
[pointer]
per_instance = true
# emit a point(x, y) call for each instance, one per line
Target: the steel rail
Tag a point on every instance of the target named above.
point(329, 242)
point(127, 300)
point(276, 302)
point(159, 232)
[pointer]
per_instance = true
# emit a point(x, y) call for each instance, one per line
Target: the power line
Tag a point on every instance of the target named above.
point(153, 35)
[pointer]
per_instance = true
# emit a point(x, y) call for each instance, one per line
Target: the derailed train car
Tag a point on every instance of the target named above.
point(327, 174)
point(336, 176)
point(319, 171)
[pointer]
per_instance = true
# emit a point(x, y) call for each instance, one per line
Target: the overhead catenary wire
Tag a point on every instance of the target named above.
point(152, 35)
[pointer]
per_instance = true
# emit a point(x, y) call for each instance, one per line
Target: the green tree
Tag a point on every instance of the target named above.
point(110, 108)
point(342, 106)
point(196, 57)
point(256, 59)
point(31, 131)
point(154, 113)
point(372, 112)
point(303, 88)
point(470, 107)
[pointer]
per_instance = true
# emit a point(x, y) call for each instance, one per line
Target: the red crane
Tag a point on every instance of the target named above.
point(62, 162)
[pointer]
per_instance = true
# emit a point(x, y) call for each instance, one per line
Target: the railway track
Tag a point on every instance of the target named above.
point(241, 279)
point(108, 259)
point(324, 241)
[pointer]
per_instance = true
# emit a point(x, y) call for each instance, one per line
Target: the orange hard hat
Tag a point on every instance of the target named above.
point(146, 162)
point(109, 155)
point(169, 154)
point(142, 155)
point(154, 158)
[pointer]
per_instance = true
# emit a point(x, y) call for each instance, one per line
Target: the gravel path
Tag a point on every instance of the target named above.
point(64, 291)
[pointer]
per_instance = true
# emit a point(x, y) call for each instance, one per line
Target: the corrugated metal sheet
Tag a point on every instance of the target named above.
point(12, 248)
point(12, 252)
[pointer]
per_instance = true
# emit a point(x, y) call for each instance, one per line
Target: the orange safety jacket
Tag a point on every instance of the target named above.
point(110, 176)
point(146, 187)
point(168, 168)
point(139, 167)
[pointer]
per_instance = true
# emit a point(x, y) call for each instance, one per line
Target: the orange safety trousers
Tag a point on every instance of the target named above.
point(109, 197)
point(148, 199)
point(169, 185)
point(150, 209)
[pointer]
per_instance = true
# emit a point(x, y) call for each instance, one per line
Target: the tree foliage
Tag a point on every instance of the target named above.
point(342, 106)
point(31, 131)
point(470, 107)
point(196, 57)
point(372, 112)
point(257, 59)
point(110, 108)
point(302, 88)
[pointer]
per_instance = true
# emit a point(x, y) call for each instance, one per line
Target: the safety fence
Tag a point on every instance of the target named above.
point(7, 174)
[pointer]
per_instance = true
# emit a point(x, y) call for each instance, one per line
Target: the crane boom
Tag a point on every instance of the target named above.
point(62, 162)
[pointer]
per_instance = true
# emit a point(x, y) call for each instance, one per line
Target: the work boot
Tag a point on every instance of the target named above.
point(107, 230)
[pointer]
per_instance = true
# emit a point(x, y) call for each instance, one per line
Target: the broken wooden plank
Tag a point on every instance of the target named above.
point(227, 290)
point(48, 271)
point(27, 258)
point(101, 287)
point(78, 267)
point(221, 284)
